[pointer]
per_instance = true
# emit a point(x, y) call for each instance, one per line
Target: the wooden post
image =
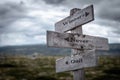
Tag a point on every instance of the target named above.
point(80, 53)
point(77, 74)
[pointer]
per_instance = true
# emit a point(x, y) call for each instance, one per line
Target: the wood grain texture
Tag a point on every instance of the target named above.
point(83, 59)
point(78, 18)
point(80, 73)
point(76, 41)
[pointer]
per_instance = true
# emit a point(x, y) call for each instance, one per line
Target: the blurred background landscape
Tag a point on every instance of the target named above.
point(23, 51)
point(50, 51)
point(37, 62)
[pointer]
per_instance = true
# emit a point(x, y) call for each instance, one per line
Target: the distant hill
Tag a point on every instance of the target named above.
point(44, 50)
point(114, 49)
point(31, 49)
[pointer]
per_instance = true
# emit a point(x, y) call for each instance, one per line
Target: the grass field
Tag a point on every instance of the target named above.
point(43, 68)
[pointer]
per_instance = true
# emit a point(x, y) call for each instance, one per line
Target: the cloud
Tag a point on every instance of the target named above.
point(10, 12)
point(68, 3)
point(109, 10)
point(105, 9)
point(20, 39)
point(54, 1)
point(108, 14)
point(26, 22)
point(30, 25)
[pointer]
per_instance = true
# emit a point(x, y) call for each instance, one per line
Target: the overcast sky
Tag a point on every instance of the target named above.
point(26, 21)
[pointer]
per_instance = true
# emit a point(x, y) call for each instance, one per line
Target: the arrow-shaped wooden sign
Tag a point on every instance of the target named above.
point(67, 40)
point(76, 41)
point(79, 18)
point(86, 59)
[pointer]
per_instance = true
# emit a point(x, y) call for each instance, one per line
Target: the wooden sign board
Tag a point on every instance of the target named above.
point(86, 59)
point(100, 43)
point(76, 41)
point(79, 18)
point(67, 40)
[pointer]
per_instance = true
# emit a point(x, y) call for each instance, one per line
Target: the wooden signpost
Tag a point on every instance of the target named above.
point(83, 46)
point(76, 41)
point(78, 18)
point(87, 59)
point(68, 40)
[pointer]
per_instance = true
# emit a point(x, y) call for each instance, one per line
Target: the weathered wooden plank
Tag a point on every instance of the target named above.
point(76, 41)
point(68, 40)
point(84, 60)
point(99, 42)
point(78, 74)
point(79, 18)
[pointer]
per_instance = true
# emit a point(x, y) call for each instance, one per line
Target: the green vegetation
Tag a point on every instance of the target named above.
point(108, 69)
point(24, 68)
point(43, 68)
